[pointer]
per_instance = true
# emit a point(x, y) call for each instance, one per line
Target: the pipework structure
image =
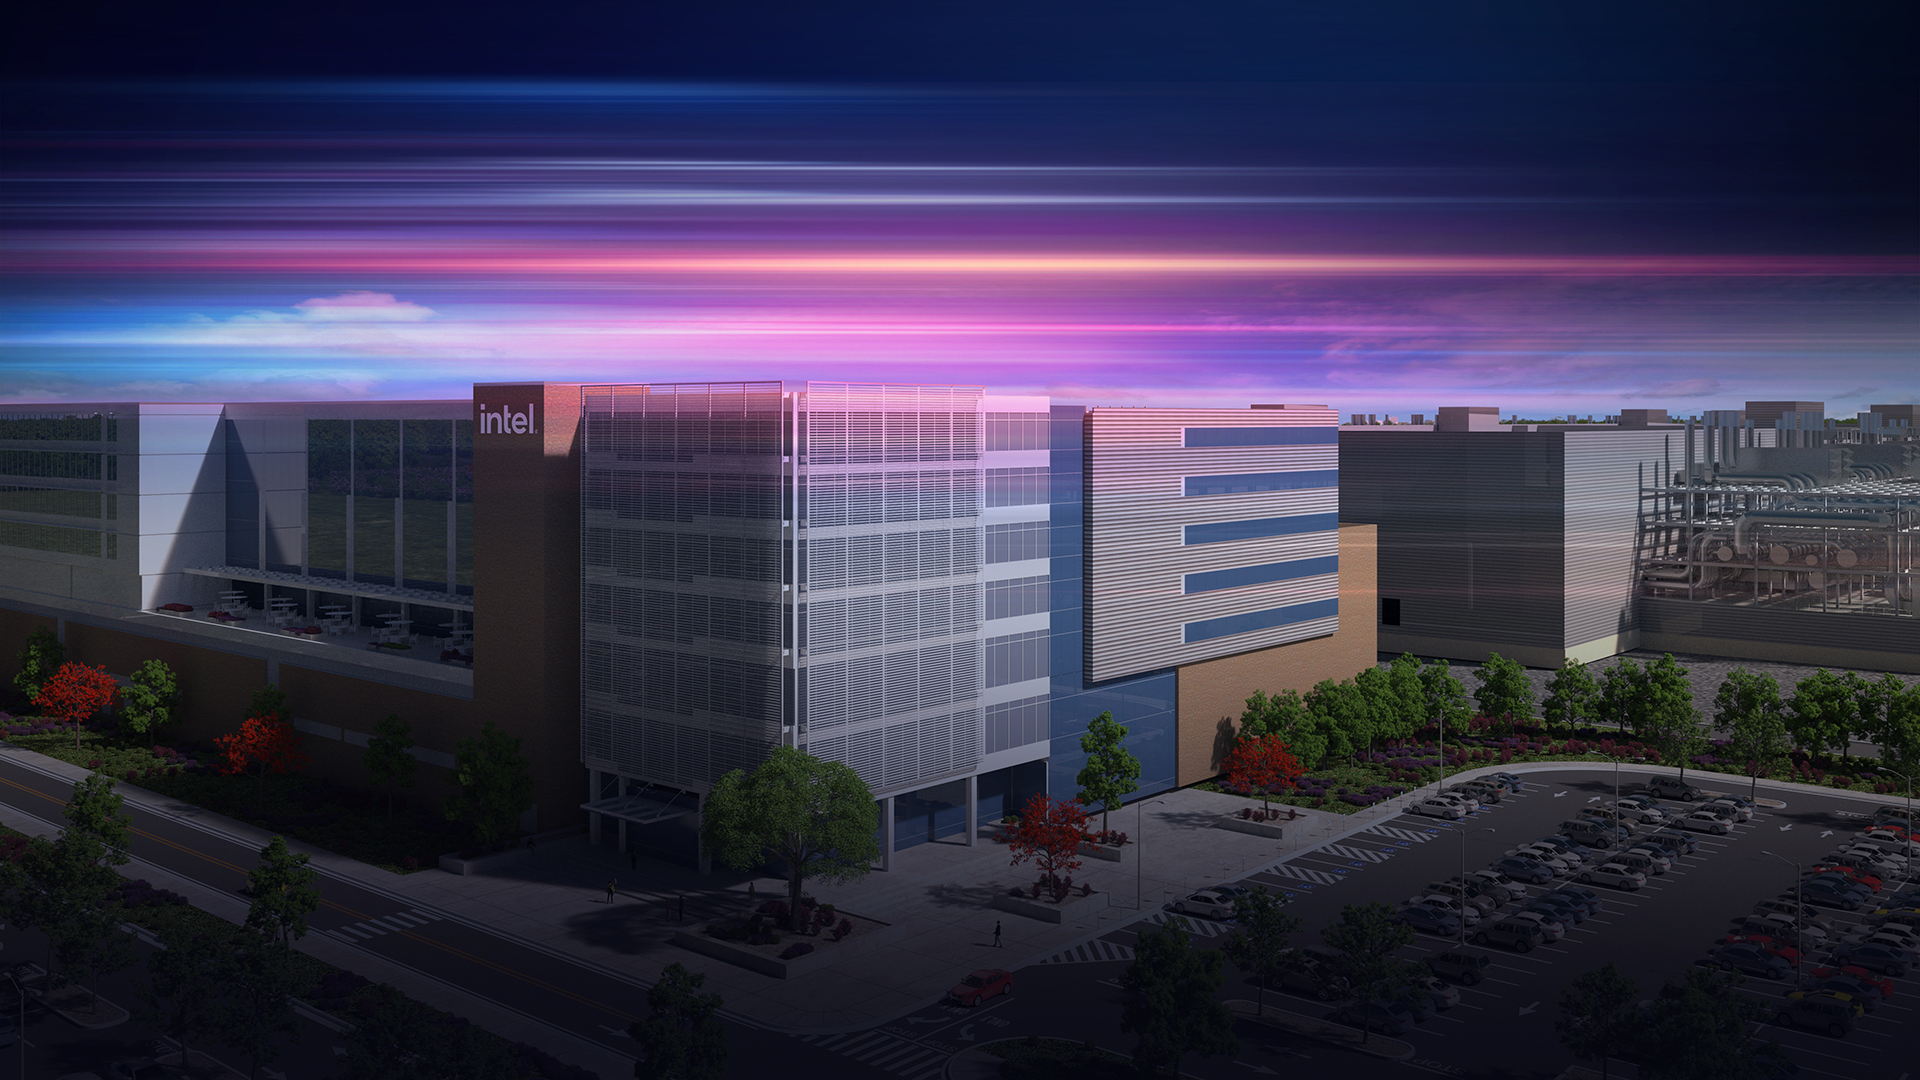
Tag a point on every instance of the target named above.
point(1825, 520)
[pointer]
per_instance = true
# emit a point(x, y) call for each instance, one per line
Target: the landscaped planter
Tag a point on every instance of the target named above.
point(1107, 852)
point(1270, 829)
point(869, 934)
point(1046, 910)
point(481, 864)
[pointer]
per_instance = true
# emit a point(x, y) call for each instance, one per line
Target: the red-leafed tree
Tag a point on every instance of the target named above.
point(1263, 763)
point(75, 693)
point(1049, 833)
point(266, 743)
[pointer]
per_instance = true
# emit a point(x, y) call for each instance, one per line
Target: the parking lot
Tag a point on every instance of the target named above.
point(1504, 1025)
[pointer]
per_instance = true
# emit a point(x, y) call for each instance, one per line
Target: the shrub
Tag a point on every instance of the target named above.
point(842, 930)
point(794, 952)
point(763, 939)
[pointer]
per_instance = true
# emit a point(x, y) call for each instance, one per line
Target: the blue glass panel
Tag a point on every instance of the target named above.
point(1256, 528)
point(1262, 436)
point(1146, 705)
point(1237, 483)
point(1260, 575)
point(1228, 625)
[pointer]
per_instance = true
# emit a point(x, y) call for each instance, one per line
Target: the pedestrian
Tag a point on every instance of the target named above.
point(633, 858)
point(996, 933)
point(750, 896)
point(609, 892)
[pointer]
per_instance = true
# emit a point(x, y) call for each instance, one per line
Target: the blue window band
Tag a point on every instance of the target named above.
point(1265, 481)
point(1261, 436)
point(1228, 625)
point(1255, 528)
point(1261, 575)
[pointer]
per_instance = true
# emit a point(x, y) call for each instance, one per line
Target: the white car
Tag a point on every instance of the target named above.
point(1641, 813)
point(1741, 811)
point(1205, 902)
point(1551, 928)
point(1896, 935)
point(1890, 856)
point(1891, 841)
point(1440, 809)
point(1705, 821)
point(1467, 798)
point(1448, 904)
point(1661, 860)
point(1515, 890)
point(1443, 994)
point(1556, 860)
point(1878, 865)
point(1812, 933)
point(1613, 874)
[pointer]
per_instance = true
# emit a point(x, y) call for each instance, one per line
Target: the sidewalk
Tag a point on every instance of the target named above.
point(554, 900)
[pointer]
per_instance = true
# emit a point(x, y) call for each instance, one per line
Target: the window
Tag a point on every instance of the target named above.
point(1260, 575)
point(1228, 625)
point(1261, 436)
point(1259, 528)
point(1016, 542)
point(1240, 483)
point(1389, 611)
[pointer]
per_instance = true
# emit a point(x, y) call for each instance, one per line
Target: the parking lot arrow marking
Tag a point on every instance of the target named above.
point(613, 1031)
point(926, 1019)
point(1557, 794)
point(1787, 826)
point(1826, 834)
point(1596, 798)
point(1529, 1008)
point(966, 1034)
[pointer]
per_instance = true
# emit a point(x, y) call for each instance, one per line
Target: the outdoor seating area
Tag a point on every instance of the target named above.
point(335, 624)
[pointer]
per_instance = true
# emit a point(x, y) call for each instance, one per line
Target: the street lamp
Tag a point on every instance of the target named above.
point(1909, 829)
point(1140, 857)
point(1463, 879)
point(1799, 908)
point(1616, 777)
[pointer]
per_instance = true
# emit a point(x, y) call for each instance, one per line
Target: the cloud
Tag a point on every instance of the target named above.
point(362, 306)
point(1684, 388)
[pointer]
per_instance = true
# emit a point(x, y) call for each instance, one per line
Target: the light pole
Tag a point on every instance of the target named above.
point(1140, 857)
point(1908, 831)
point(1616, 789)
point(1463, 879)
point(1799, 906)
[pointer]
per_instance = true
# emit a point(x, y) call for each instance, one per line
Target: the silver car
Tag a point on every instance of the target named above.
point(1553, 929)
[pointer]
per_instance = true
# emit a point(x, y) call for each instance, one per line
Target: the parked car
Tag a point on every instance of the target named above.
point(1830, 892)
point(1682, 841)
point(1852, 971)
point(1589, 832)
point(1462, 967)
point(1443, 995)
point(1609, 815)
point(1865, 862)
point(1461, 892)
point(1805, 913)
point(1836, 1018)
point(1557, 908)
point(1660, 857)
point(1637, 861)
point(1900, 937)
point(1642, 811)
point(1513, 781)
point(1614, 874)
point(1852, 873)
point(1501, 882)
point(1440, 808)
point(1213, 905)
point(1751, 959)
point(1304, 974)
point(1528, 868)
point(1431, 920)
point(1894, 840)
point(1885, 959)
point(1742, 810)
point(1374, 1016)
point(1449, 904)
point(1768, 944)
point(1415, 1000)
point(1569, 845)
point(1705, 821)
point(1484, 790)
point(1859, 990)
point(1551, 929)
point(1785, 927)
point(1519, 935)
point(1454, 795)
point(1556, 861)
point(981, 985)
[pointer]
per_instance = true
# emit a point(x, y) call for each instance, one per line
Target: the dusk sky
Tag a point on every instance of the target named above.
point(1384, 210)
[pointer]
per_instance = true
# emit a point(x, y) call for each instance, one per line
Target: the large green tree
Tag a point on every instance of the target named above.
point(1111, 773)
point(1283, 714)
point(1748, 708)
point(1620, 701)
point(816, 817)
point(1899, 735)
point(150, 702)
point(682, 1038)
point(1821, 712)
point(493, 784)
point(1504, 692)
point(38, 661)
point(255, 1015)
point(1258, 943)
point(186, 979)
point(65, 887)
point(1572, 697)
point(1446, 699)
point(1340, 711)
point(1668, 717)
point(1173, 1001)
point(1699, 1032)
point(389, 764)
point(1366, 942)
point(1598, 1016)
point(1396, 714)
point(283, 892)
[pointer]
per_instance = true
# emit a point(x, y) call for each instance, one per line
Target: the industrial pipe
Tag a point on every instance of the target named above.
point(1787, 517)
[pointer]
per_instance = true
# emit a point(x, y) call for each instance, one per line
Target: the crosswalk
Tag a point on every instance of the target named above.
point(385, 924)
point(901, 1057)
point(1350, 853)
point(1303, 873)
point(1401, 834)
point(1197, 926)
point(1093, 952)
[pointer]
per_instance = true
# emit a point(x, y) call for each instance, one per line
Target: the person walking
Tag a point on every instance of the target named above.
point(996, 933)
point(750, 897)
point(609, 892)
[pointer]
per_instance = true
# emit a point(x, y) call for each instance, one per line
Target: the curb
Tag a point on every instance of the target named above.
point(1380, 1046)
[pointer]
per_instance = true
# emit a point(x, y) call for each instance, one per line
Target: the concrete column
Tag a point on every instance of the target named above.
point(886, 833)
point(973, 810)
point(593, 795)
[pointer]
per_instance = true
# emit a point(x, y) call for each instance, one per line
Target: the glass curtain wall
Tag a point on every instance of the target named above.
point(390, 501)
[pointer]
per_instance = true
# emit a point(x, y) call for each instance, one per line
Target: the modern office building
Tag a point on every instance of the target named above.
point(651, 584)
point(1714, 535)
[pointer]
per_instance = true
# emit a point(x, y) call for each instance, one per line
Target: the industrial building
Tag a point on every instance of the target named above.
point(651, 584)
point(1768, 533)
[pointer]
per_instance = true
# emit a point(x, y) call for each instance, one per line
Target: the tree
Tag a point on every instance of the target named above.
point(186, 978)
point(74, 693)
point(817, 818)
point(1264, 764)
point(1445, 698)
point(65, 887)
point(1173, 1002)
point(1049, 833)
point(1284, 715)
point(493, 784)
point(1572, 696)
point(1341, 712)
point(1386, 703)
point(1365, 942)
point(283, 892)
point(385, 1041)
point(269, 699)
point(1668, 718)
point(1410, 696)
point(255, 1016)
point(1697, 1030)
point(1598, 1018)
point(150, 702)
point(388, 764)
point(1821, 711)
point(682, 1039)
point(1899, 738)
point(1622, 690)
point(1749, 709)
point(266, 743)
point(1111, 772)
point(1505, 693)
point(1259, 943)
point(38, 661)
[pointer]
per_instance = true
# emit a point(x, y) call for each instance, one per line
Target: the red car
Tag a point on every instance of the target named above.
point(1851, 874)
point(1878, 982)
point(1780, 949)
point(980, 986)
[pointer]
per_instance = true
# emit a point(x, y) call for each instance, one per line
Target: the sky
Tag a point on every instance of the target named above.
point(1383, 207)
